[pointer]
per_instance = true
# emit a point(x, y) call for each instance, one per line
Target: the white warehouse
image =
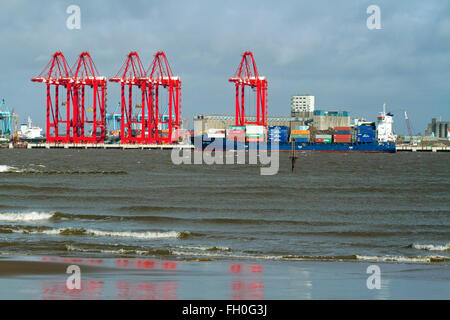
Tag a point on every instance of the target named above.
point(302, 103)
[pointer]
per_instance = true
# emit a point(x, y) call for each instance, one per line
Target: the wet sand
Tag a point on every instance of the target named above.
point(45, 278)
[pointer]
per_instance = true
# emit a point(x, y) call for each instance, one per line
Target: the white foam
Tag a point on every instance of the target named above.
point(100, 233)
point(205, 248)
point(432, 247)
point(401, 258)
point(26, 216)
point(5, 168)
point(119, 251)
point(138, 235)
point(224, 255)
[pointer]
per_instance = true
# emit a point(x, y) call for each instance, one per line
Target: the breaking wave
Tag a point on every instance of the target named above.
point(214, 248)
point(26, 216)
point(33, 169)
point(418, 259)
point(98, 233)
point(121, 251)
point(5, 168)
point(431, 247)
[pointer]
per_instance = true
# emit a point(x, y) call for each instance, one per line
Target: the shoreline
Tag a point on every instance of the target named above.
point(37, 277)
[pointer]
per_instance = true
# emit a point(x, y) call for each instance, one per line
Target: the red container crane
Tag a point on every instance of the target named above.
point(55, 74)
point(132, 74)
point(247, 75)
point(86, 74)
point(160, 74)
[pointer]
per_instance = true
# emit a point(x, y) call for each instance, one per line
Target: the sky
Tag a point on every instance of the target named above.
point(323, 48)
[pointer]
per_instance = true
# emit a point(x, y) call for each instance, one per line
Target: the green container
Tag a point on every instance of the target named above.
point(254, 135)
point(236, 128)
point(300, 136)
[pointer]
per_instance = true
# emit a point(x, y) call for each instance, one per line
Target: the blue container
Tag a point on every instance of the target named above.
point(366, 130)
point(301, 140)
point(278, 128)
point(277, 140)
point(366, 135)
point(365, 140)
point(278, 134)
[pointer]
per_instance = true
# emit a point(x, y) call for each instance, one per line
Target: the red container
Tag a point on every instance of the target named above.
point(236, 132)
point(342, 128)
point(342, 141)
point(319, 140)
point(342, 136)
point(236, 137)
point(254, 139)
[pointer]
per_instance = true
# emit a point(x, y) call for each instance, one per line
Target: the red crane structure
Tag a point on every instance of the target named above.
point(247, 75)
point(160, 74)
point(131, 74)
point(55, 74)
point(86, 74)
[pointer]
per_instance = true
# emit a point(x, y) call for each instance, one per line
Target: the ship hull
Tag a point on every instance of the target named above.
point(222, 144)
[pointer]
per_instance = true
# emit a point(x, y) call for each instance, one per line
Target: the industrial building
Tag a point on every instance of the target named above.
point(302, 103)
point(438, 128)
point(319, 119)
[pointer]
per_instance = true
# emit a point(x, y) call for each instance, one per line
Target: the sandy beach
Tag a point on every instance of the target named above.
point(25, 277)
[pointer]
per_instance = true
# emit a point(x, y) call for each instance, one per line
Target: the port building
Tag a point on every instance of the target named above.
point(319, 119)
point(438, 129)
point(302, 103)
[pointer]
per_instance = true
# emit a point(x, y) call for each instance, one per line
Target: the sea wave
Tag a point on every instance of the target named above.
point(139, 235)
point(34, 170)
point(5, 168)
point(98, 233)
point(121, 251)
point(418, 259)
point(431, 247)
point(213, 248)
point(26, 216)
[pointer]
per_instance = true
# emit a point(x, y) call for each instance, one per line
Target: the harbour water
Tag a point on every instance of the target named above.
point(284, 235)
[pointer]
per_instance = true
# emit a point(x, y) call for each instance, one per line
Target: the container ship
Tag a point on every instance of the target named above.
point(363, 137)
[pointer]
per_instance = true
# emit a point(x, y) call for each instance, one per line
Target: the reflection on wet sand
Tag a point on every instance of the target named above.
point(244, 289)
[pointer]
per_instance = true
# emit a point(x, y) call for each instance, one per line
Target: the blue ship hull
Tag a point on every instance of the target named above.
point(370, 147)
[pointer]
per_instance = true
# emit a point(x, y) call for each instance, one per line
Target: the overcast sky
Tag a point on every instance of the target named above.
point(319, 47)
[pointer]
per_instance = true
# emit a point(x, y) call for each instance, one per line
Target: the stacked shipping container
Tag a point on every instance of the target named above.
point(216, 133)
point(300, 134)
point(236, 133)
point(255, 133)
point(342, 135)
point(278, 134)
point(365, 133)
point(324, 138)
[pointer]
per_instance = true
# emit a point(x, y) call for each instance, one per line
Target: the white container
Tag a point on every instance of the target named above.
point(213, 131)
point(323, 136)
point(254, 129)
point(216, 135)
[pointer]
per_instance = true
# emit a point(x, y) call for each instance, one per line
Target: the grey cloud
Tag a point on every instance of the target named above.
point(320, 47)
